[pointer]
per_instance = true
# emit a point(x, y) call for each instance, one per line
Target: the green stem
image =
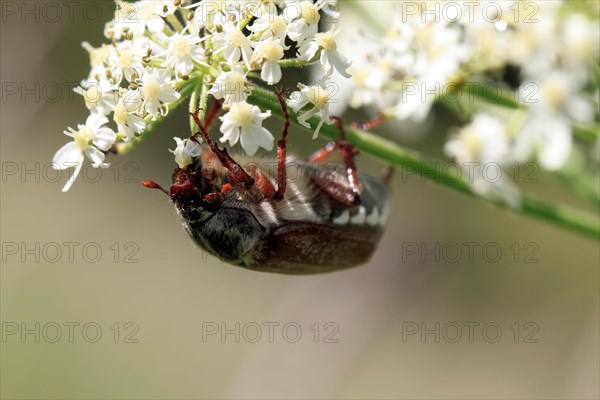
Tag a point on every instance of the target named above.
point(585, 133)
point(481, 90)
point(293, 63)
point(245, 22)
point(193, 105)
point(413, 161)
point(156, 40)
point(175, 22)
point(203, 102)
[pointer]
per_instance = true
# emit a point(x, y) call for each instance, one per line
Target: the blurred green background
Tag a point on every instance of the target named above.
point(174, 292)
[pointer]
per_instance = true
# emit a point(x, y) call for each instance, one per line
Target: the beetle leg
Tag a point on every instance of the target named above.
point(321, 155)
point(211, 197)
point(348, 152)
point(281, 148)
point(369, 124)
point(337, 190)
point(212, 113)
point(388, 174)
point(238, 173)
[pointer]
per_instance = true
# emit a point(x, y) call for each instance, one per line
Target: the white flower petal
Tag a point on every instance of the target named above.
point(340, 63)
point(67, 156)
point(271, 72)
point(232, 54)
point(248, 143)
point(155, 24)
point(262, 137)
point(136, 123)
point(96, 156)
point(104, 138)
point(557, 147)
point(73, 177)
point(308, 50)
point(232, 135)
point(95, 120)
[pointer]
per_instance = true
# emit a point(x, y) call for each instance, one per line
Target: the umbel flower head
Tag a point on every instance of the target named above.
point(158, 52)
point(523, 89)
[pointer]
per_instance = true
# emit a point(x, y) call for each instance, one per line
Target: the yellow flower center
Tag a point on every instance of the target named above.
point(91, 95)
point(241, 114)
point(318, 96)
point(151, 89)
point(83, 137)
point(471, 141)
point(271, 51)
point(582, 47)
point(359, 76)
point(309, 12)
point(326, 41)
point(555, 92)
point(237, 38)
point(125, 59)
point(278, 25)
point(121, 114)
point(234, 82)
point(181, 47)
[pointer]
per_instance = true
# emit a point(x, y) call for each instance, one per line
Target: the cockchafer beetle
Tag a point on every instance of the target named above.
point(318, 220)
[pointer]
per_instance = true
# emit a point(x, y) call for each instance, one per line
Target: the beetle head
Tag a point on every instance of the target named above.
point(187, 186)
point(190, 191)
point(193, 192)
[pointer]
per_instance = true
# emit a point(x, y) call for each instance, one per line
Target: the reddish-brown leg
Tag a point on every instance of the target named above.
point(344, 194)
point(348, 152)
point(337, 190)
point(369, 124)
point(218, 195)
point(388, 174)
point(322, 154)
point(238, 173)
point(282, 149)
point(212, 113)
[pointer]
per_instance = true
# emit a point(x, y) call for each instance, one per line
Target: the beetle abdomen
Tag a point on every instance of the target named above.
point(329, 235)
point(299, 247)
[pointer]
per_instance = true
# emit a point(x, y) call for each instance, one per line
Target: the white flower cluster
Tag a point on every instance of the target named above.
point(160, 47)
point(403, 70)
point(434, 53)
point(557, 56)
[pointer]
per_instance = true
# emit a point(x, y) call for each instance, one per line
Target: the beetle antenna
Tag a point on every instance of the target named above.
point(154, 185)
